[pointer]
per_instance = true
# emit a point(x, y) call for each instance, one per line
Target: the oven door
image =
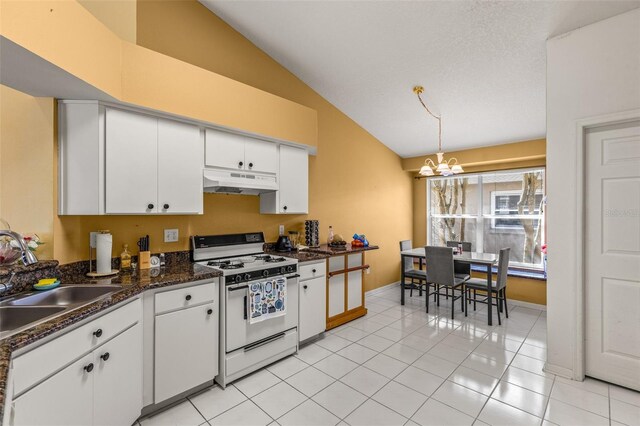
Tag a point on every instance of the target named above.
point(238, 331)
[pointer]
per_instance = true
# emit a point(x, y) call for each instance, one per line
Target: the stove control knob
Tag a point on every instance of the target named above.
point(265, 273)
point(247, 277)
point(238, 278)
point(283, 270)
point(290, 268)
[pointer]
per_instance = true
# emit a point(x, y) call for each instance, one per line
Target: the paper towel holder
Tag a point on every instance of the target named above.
point(92, 248)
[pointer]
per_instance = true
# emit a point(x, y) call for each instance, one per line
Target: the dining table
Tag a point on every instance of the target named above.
point(488, 260)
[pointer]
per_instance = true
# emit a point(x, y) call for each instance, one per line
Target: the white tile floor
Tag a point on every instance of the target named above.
point(401, 366)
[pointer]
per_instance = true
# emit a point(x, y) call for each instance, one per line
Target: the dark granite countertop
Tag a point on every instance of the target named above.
point(319, 253)
point(177, 271)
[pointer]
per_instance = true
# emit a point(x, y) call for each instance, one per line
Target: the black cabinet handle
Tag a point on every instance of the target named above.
point(150, 206)
point(104, 356)
point(250, 165)
point(166, 206)
point(305, 286)
point(313, 270)
point(98, 332)
point(240, 164)
point(188, 297)
point(209, 311)
point(88, 368)
point(284, 208)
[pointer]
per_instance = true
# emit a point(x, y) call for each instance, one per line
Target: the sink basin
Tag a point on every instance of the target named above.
point(65, 296)
point(13, 317)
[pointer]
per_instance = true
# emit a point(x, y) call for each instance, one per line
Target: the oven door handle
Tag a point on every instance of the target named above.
point(292, 276)
point(242, 287)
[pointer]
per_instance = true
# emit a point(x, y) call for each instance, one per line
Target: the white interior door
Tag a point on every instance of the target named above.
point(612, 254)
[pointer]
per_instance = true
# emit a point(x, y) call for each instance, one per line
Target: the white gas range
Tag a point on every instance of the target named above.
point(246, 347)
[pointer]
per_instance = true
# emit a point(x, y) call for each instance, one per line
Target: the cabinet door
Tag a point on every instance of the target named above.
point(294, 180)
point(64, 399)
point(336, 302)
point(224, 149)
point(131, 163)
point(180, 164)
point(186, 350)
point(117, 382)
point(261, 156)
point(313, 302)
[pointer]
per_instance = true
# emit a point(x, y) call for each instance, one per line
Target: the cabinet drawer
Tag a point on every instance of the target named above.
point(312, 270)
point(41, 362)
point(184, 297)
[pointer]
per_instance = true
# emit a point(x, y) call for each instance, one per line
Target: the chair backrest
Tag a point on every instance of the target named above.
point(439, 261)
point(503, 267)
point(466, 246)
point(407, 262)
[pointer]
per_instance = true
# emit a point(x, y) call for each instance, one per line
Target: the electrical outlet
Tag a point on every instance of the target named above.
point(281, 230)
point(92, 239)
point(170, 235)
point(368, 270)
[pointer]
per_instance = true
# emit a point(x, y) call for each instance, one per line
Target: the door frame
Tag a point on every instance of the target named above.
point(582, 126)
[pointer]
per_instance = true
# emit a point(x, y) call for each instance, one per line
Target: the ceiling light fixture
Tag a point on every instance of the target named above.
point(445, 168)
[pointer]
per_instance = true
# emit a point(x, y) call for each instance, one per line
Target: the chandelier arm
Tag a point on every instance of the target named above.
point(455, 161)
point(439, 118)
point(429, 160)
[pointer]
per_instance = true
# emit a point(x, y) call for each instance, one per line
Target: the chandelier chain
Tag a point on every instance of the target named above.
point(418, 91)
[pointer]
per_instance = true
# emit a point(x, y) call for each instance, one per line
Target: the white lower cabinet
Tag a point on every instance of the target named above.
point(102, 387)
point(64, 399)
point(117, 383)
point(186, 349)
point(313, 300)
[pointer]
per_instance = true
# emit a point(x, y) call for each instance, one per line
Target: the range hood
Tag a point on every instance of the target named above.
point(238, 182)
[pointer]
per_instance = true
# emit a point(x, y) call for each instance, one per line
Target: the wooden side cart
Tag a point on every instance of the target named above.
point(345, 288)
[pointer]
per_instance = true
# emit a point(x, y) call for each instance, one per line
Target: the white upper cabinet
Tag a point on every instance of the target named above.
point(113, 161)
point(237, 152)
point(131, 163)
point(180, 164)
point(293, 180)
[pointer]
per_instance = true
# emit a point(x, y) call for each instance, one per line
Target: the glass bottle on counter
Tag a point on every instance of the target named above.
point(125, 259)
point(330, 237)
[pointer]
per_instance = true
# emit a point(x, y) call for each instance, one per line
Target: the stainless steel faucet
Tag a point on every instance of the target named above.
point(28, 258)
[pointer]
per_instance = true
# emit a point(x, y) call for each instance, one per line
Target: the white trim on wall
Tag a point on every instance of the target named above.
point(579, 330)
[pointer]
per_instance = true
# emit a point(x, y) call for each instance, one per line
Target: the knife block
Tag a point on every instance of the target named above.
point(144, 260)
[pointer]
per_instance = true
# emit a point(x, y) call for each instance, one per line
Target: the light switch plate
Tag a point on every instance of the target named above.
point(170, 235)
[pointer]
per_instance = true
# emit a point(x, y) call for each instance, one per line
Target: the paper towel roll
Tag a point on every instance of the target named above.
point(103, 253)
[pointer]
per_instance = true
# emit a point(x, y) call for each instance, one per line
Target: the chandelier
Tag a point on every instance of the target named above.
point(444, 167)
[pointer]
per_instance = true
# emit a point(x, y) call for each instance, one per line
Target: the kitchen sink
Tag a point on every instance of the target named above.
point(65, 296)
point(13, 317)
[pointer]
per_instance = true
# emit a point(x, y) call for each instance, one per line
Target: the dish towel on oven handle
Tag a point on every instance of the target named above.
point(267, 299)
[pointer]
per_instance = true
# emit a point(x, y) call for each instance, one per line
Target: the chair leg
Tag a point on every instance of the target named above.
point(447, 291)
point(437, 289)
point(504, 296)
point(467, 292)
point(438, 296)
point(475, 296)
point(462, 299)
point(498, 309)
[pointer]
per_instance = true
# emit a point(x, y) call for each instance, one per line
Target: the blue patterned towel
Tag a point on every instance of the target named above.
point(268, 299)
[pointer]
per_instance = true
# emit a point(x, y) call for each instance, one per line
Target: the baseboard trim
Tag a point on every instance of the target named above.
point(558, 371)
point(381, 289)
point(527, 304)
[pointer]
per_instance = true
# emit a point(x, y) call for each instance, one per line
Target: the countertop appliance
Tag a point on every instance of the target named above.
point(284, 244)
point(246, 347)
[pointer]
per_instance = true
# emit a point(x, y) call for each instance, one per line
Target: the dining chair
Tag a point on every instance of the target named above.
point(418, 277)
point(440, 273)
point(498, 287)
point(462, 270)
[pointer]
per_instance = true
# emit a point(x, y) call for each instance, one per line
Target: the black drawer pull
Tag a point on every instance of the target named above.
point(313, 270)
point(98, 332)
point(240, 164)
point(188, 297)
point(305, 286)
point(105, 356)
point(166, 206)
point(150, 206)
point(209, 311)
point(88, 368)
point(250, 165)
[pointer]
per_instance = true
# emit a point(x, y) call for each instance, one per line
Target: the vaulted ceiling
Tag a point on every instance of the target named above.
point(482, 63)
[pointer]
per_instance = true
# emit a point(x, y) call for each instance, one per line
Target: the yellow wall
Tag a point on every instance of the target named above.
point(343, 192)
point(117, 15)
point(496, 157)
point(26, 165)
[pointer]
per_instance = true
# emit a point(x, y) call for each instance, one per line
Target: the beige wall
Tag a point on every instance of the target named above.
point(26, 165)
point(343, 191)
point(117, 15)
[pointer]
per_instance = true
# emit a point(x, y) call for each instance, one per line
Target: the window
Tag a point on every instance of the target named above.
point(491, 211)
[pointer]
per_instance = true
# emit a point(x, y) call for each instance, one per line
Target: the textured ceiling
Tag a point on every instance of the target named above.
point(482, 63)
